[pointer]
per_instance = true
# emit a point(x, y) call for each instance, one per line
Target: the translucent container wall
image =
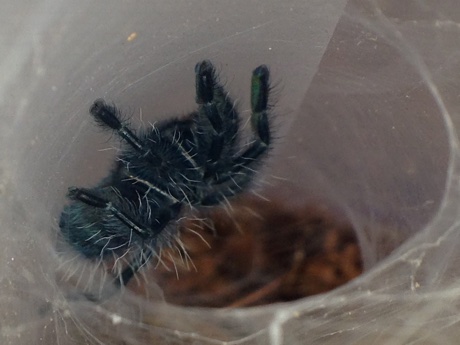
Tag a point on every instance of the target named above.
point(367, 116)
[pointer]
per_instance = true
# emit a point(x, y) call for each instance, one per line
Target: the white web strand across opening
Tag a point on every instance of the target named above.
point(368, 118)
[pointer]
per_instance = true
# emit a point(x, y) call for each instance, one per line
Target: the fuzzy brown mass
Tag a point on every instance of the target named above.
point(259, 252)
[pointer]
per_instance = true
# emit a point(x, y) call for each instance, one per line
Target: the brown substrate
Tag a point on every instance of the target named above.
point(259, 252)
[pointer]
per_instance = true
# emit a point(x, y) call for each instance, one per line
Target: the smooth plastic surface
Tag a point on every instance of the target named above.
point(367, 114)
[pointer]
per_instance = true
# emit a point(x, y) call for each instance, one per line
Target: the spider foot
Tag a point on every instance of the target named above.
point(260, 89)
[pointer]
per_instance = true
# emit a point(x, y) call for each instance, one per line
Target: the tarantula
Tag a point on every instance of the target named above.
point(195, 160)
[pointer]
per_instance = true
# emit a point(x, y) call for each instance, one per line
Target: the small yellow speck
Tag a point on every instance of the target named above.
point(132, 37)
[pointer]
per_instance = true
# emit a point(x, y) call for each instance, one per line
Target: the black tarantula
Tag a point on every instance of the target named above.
point(194, 161)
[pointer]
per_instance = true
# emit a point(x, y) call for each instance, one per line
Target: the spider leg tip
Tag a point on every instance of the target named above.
point(261, 72)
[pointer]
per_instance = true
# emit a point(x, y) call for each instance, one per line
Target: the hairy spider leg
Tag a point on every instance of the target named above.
point(240, 175)
point(143, 257)
point(108, 116)
point(90, 199)
point(216, 107)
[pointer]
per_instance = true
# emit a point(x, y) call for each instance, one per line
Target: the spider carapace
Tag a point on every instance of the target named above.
point(194, 161)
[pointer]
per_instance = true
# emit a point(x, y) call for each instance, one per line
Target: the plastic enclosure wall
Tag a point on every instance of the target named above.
point(367, 118)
